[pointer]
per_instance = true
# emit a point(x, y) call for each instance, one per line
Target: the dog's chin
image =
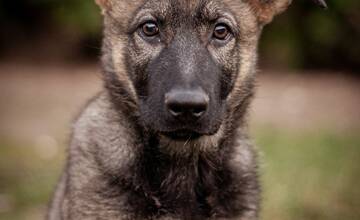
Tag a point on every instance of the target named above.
point(186, 134)
point(182, 135)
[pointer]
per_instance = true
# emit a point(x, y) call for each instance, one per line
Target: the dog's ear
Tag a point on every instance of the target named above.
point(267, 9)
point(103, 4)
point(321, 3)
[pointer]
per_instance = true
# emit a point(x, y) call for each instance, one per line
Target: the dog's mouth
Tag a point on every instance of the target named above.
point(182, 135)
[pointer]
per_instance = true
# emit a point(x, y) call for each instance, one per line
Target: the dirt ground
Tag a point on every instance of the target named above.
point(39, 101)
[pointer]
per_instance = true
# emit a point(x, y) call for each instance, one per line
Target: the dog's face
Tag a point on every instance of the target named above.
point(183, 59)
point(189, 53)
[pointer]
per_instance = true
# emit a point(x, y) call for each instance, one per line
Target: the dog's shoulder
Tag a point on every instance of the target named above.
point(99, 118)
point(104, 134)
point(92, 117)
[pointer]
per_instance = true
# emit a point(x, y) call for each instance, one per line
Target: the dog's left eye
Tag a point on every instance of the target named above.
point(150, 29)
point(221, 32)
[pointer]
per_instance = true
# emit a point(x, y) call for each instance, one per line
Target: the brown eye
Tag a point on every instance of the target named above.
point(221, 31)
point(150, 29)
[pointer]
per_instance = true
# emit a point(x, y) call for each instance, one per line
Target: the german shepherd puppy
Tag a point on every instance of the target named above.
point(167, 138)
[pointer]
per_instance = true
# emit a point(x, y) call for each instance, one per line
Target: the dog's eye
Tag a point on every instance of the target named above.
point(150, 29)
point(221, 32)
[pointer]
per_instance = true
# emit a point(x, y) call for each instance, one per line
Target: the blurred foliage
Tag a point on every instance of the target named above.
point(304, 37)
point(80, 14)
point(308, 37)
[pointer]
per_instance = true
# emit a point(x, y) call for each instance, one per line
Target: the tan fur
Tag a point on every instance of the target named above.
point(267, 9)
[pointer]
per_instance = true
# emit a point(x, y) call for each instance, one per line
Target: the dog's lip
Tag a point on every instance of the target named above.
point(182, 134)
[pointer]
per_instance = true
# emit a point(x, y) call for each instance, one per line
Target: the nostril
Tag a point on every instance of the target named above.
point(174, 109)
point(198, 111)
point(186, 104)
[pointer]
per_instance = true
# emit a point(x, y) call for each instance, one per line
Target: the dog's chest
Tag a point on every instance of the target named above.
point(183, 189)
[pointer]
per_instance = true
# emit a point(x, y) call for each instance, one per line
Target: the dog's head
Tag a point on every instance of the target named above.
point(184, 63)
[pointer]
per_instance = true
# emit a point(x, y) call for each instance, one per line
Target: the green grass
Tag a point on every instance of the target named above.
point(310, 176)
point(26, 181)
point(306, 176)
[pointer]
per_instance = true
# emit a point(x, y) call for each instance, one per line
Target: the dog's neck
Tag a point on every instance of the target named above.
point(183, 175)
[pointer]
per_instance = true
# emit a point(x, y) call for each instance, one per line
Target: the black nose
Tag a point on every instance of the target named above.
point(186, 104)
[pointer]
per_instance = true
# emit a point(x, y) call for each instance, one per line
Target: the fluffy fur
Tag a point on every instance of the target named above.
point(120, 164)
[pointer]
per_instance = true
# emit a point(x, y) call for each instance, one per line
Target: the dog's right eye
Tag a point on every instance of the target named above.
point(150, 29)
point(221, 32)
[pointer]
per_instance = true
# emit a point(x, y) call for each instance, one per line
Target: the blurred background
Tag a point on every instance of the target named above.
point(305, 118)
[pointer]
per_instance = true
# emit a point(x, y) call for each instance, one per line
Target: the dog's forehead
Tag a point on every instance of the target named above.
point(167, 4)
point(184, 7)
point(187, 10)
point(209, 9)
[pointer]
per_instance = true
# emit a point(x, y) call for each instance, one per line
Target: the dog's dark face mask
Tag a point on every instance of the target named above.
point(186, 60)
point(185, 89)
